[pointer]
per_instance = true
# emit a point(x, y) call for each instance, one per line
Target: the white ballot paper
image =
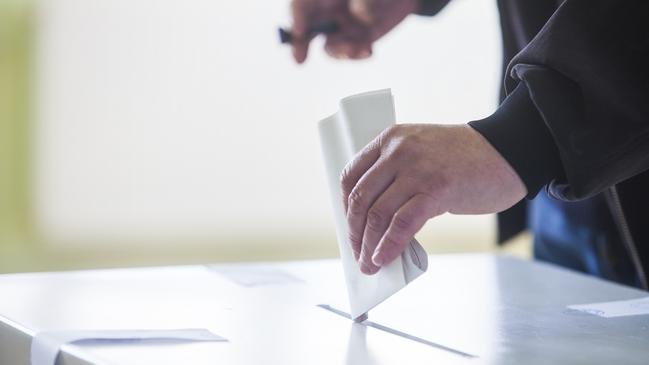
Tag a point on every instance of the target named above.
point(360, 119)
point(619, 308)
point(47, 344)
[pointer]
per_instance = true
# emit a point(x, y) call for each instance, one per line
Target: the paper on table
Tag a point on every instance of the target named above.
point(620, 308)
point(252, 276)
point(359, 120)
point(47, 344)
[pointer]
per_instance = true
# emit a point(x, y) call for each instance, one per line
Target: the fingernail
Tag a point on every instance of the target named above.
point(377, 259)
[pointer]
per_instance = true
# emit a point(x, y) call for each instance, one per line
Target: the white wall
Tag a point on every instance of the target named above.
point(187, 119)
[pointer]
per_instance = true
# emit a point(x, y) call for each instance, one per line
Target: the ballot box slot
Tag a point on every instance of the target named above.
point(395, 332)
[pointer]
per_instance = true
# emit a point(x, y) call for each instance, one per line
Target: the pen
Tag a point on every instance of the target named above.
point(328, 27)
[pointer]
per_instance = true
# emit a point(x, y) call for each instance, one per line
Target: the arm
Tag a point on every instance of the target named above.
point(587, 75)
point(577, 116)
point(414, 172)
point(360, 22)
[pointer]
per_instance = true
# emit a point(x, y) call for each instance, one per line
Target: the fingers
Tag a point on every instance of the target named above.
point(301, 49)
point(301, 18)
point(406, 222)
point(353, 41)
point(378, 219)
point(342, 46)
point(373, 183)
point(349, 178)
point(357, 168)
point(381, 16)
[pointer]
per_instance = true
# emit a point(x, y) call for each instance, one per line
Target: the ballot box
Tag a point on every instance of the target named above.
point(467, 309)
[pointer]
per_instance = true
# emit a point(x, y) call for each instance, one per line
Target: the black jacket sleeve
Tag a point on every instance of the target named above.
point(587, 75)
point(519, 133)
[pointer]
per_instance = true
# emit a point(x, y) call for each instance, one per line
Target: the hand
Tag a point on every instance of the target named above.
point(361, 22)
point(413, 172)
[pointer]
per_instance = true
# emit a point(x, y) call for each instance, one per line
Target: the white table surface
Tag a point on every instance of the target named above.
point(503, 310)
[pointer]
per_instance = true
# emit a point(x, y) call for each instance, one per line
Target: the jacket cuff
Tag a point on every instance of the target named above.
point(517, 131)
point(430, 7)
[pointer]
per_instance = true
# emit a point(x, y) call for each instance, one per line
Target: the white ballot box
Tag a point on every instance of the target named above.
point(467, 309)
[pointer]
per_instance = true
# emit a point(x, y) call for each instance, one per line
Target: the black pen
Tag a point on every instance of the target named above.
point(328, 27)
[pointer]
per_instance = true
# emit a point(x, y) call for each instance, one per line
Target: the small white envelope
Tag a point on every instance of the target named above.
point(360, 119)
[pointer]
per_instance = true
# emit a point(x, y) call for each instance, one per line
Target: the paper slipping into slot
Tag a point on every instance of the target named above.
point(620, 308)
point(47, 344)
point(395, 332)
point(360, 119)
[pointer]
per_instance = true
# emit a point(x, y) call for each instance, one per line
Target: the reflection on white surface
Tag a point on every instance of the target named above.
point(368, 345)
point(454, 307)
point(395, 332)
point(357, 352)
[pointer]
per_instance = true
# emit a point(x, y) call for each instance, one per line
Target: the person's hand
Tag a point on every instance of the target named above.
point(413, 172)
point(360, 22)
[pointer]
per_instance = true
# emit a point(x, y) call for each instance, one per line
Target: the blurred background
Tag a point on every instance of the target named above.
point(156, 132)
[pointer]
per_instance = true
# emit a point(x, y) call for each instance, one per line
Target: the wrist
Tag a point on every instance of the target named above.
point(500, 168)
point(518, 132)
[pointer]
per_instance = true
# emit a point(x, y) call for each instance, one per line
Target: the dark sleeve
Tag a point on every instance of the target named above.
point(587, 75)
point(431, 7)
point(520, 135)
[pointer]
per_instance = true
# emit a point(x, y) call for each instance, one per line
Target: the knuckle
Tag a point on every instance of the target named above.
point(399, 152)
point(375, 219)
point(402, 221)
point(431, 207)
point(438, 185)
point(388, 134)
point(405, 148)
point(390, 131)
point(344, 179)
point(355, 240)
point(390, 243)
point(419, 182)
point(410, 139)
point(356, 202)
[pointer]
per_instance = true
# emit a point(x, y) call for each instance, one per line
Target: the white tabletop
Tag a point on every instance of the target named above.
point(500, 309)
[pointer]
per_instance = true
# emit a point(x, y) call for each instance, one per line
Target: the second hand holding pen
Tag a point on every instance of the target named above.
point(328, 27)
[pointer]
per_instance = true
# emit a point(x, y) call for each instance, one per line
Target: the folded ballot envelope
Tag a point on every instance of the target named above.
point(359, 120)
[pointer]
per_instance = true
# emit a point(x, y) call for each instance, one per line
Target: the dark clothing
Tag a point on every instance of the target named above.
point(580, 235)
point(577, 121)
